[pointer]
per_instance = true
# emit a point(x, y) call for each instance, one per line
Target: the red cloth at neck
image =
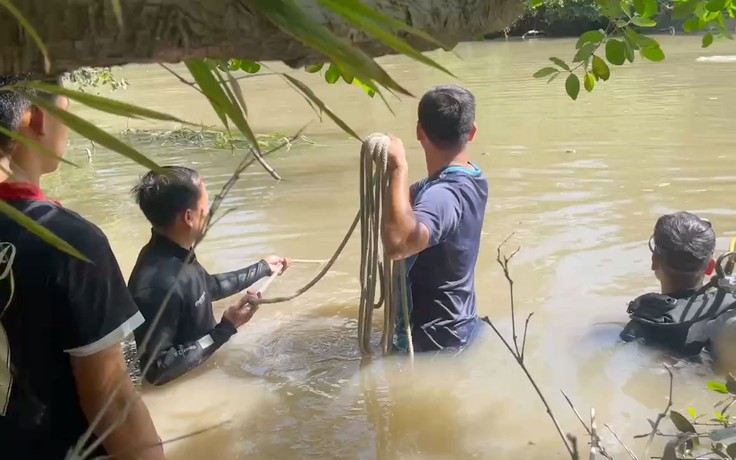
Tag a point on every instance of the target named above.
point(22, 191)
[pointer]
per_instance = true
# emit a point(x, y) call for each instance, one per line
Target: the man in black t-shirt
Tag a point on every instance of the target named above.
point(61, 318)
point(173, 291)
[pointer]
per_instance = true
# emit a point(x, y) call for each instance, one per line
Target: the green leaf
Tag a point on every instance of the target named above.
point(313, 97)
point(589, 82)
point(585, 52)
point(347, 78)
point(536, 3)
point(683, 9)
point(591, 36)
point(572, 86)
point(364, 12)
point(601, 69)
point(691, 412)
point(333, 74)
point(693, 24)
point(629, 50)
point(559, 62)
point(715, 6)
point(641, 41)
point(102, 104)
point(718, 387)
point(33, 145)
point(91, 131)
point(653, 53)
point(555, 75)
point(238, 91)
point(681, 423)
point(249, 66)
point(40, 231)
point(293, 20)
point(545, 72)
point(118, 11)
point(639, 7)
point(615, 51)
point(30, 31)
point(650, 8)
point(642, 22)
point(707, 40)
point(367, 89)
point(200, 70)
point(372, 22)
point(313, 68)
point(236, 114)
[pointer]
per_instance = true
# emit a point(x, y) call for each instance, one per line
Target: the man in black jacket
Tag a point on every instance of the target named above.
point(168, 276)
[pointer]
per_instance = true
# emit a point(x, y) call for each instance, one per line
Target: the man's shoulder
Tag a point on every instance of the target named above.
point(67, 225)
point(154, 274)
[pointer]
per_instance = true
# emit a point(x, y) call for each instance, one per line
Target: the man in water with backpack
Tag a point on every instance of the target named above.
point(435, 224)
point(681, 316)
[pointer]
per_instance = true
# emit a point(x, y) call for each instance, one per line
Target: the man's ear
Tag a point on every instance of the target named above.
point(472, 132)
point(711, 267)
point(655, 263)
point(420, 132)
point(188, 217)
point(36, 121)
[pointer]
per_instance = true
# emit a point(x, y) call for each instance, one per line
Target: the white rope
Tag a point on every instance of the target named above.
point(374, 264)
point(373, 259)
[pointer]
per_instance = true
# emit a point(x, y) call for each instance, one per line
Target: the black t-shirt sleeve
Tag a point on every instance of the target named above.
point(96, 309)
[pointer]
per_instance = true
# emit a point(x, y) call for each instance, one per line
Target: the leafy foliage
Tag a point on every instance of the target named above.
point(619, 42)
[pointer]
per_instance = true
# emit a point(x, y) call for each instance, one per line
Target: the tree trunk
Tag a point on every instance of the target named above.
point(80, 33)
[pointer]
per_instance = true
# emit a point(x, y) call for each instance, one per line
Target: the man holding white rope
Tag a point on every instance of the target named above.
point(435, 225)
point(173, 290)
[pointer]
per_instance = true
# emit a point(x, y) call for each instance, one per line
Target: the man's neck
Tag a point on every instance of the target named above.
point(13, 172)
point(181, 240)
point(668, 289)
point(436, 161)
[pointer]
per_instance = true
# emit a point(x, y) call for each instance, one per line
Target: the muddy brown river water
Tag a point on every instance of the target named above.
point(581, 183)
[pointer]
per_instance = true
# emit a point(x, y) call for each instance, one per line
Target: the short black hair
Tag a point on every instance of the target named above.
point(684, 242)
point(447, 115)
point(13, 105)
point(163, 196)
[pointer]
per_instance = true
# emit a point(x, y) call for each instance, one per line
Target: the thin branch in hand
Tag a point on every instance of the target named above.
point(629, 451)
point(660, 416)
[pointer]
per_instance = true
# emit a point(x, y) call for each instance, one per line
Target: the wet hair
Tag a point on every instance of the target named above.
point(13, 105)
point(684, 244)
point(447, 115)
point(162, 197)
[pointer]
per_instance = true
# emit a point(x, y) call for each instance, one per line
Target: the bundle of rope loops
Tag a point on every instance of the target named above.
point(373, 263)
point(375, 266)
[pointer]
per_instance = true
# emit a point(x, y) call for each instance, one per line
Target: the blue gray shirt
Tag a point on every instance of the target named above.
point(451, 204)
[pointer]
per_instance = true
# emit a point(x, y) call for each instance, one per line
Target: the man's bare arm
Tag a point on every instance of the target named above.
point(403, 235)
point(96, 378)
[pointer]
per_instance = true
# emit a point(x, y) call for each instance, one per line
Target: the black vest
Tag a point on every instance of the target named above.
point(679, 323)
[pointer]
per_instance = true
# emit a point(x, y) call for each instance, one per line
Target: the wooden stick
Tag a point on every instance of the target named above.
point(308, 261)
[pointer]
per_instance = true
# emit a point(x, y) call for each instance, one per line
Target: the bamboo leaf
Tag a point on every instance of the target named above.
point(202, 75)
point(118, 10)
point(33, 145)
point(238, 92)
point(39, 230)
point(367, 13)
point(100, 103)
point(30, 31)
point(236, 114)
point(304, 96)
point(313, 97)
point(91, 131)
point(290, 18)
point(354, 11)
